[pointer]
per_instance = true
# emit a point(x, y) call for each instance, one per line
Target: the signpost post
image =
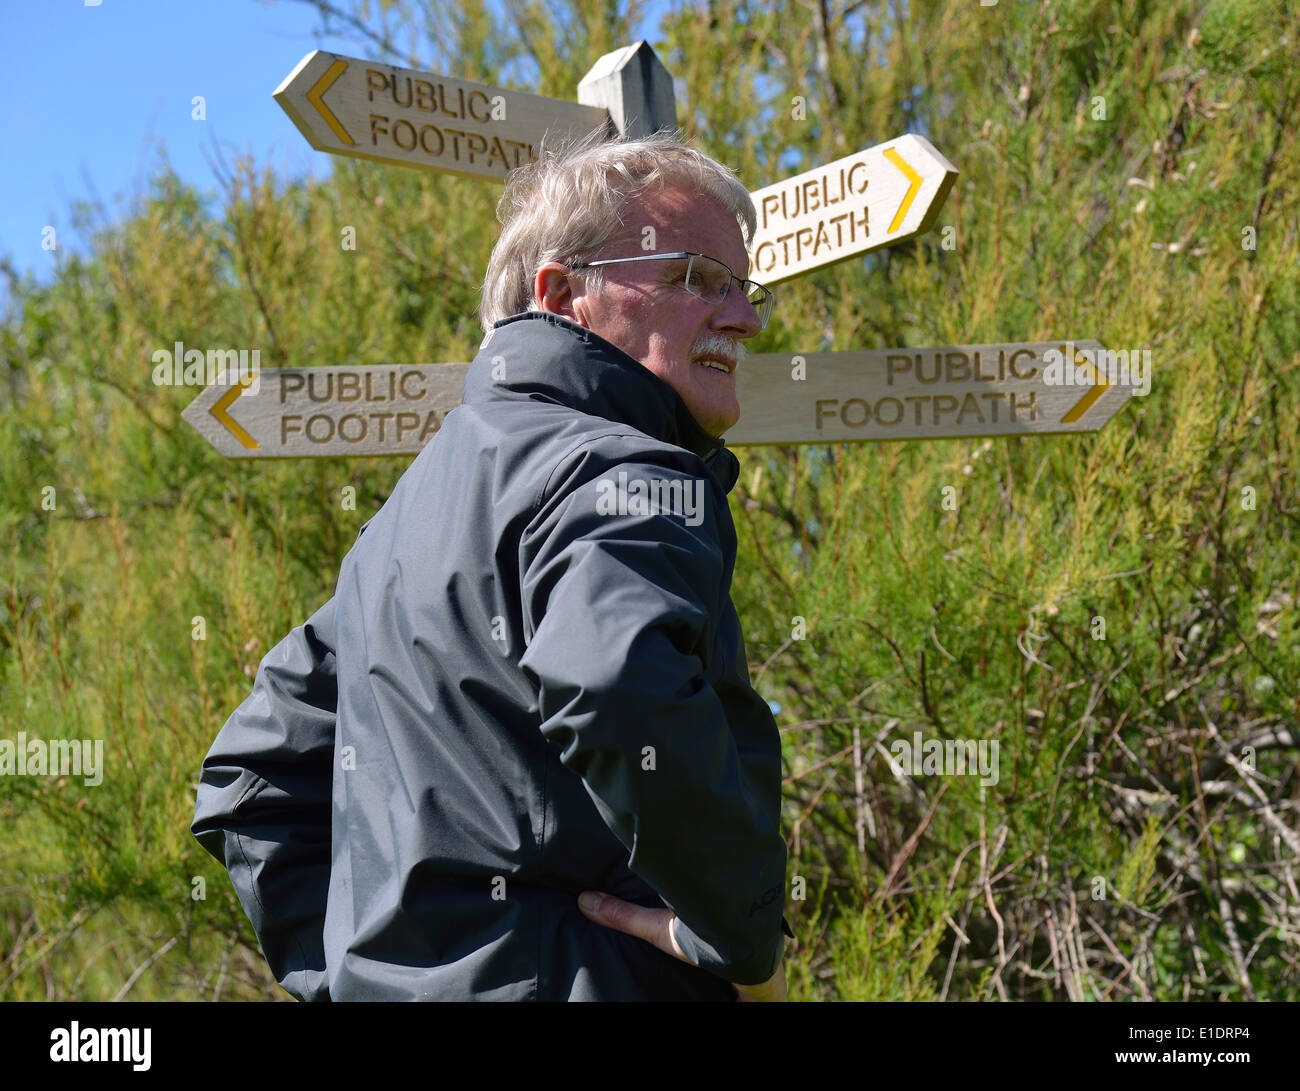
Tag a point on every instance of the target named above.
point(826, 397)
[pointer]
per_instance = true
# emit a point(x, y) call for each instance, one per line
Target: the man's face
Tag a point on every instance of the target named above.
point(643, 309)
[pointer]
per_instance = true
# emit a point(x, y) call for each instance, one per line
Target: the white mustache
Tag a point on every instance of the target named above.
point(730, 349)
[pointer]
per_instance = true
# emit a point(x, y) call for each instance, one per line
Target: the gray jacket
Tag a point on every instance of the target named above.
point(530, 681)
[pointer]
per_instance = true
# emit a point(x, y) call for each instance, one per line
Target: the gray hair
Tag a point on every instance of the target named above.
point(570, 201)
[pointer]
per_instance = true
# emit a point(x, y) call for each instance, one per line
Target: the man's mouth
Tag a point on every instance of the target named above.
point(718, 353)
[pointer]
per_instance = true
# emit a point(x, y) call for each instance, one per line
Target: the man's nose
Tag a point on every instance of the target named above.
point(737, 313)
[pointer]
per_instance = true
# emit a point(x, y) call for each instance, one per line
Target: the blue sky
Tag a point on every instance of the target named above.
point(94, 92)
point(89, 94)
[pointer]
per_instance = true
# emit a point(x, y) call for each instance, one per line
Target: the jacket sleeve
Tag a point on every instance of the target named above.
point(618, 607)
point(264, 802)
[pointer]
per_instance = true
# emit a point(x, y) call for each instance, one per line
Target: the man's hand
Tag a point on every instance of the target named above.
point(656, 926)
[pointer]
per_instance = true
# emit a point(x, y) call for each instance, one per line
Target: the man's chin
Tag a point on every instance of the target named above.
point(717, 427)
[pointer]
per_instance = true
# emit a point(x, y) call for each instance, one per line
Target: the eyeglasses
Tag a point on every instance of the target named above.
point(705, 278)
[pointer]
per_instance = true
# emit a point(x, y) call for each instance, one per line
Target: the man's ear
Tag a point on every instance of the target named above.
point(553, 291)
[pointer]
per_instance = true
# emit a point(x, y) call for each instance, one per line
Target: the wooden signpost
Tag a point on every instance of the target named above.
point(369, 110)
point(876, 197)
point(826, 397)
point(921, 393)
point(321, 411)
point(397, 115)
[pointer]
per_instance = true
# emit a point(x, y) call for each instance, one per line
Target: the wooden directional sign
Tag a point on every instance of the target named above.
point(396, 115)
point(323, 411)
point(930, 393)
point(817, 397)
point(874, 198)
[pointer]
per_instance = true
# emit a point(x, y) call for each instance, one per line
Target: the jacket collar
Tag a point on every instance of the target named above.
point(546, 357)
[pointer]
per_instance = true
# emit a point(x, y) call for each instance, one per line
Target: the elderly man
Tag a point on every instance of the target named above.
point(531, 684)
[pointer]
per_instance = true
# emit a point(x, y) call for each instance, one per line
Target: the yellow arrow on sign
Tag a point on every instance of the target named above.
point(227, 421)
point(314, 96)
point(1089, 399)
point(912, 190)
